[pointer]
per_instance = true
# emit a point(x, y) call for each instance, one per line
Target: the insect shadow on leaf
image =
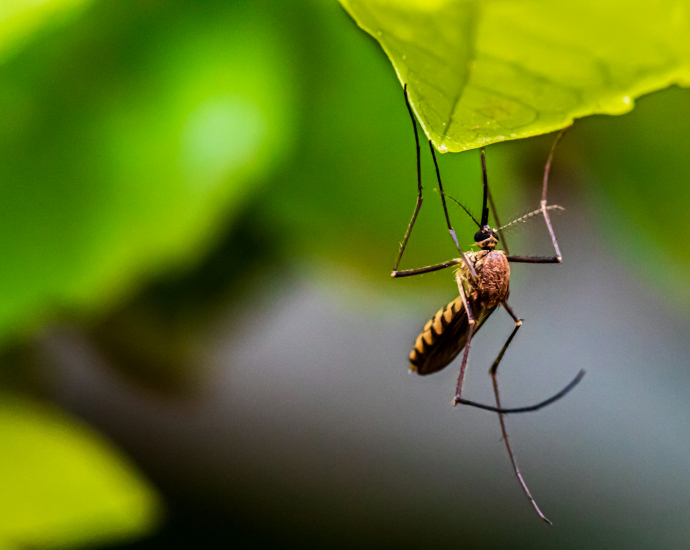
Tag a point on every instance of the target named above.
point(483, 279)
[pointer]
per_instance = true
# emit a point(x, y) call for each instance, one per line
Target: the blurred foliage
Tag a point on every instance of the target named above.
point(638, 167)
point(20, 19)
point(162, 162)
point(127, 138)
point(347, 195)
point(62, 484)
point(128, 135)
point(484, 72)
point(158, 336)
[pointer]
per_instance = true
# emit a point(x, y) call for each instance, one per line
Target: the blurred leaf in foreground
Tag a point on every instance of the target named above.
point(20, 18)
point(62, 485)
point(484, 72)
point(127, 137)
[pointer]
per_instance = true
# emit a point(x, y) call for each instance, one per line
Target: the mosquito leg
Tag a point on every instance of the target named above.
point(470, 331)
point(492, 204)
point(544, 209)
point(445, 211)
point(510, 311)
point(547, 168)
point(574, 382)
point(427, 269)
point(545, 187)
point(463, 366)
point(558, 258)
point(494, 368)
point(535, 259)
point(499, 358)
point(501, 233)
point(463, 296)
point(492, 371)
point(420, 199)
point(507, 442)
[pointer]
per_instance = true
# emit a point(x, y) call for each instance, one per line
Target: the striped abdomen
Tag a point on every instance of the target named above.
point(445, 335)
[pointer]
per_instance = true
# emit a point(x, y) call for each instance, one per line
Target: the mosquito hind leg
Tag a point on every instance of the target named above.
point(518, 324)
point(494, 380)
point(494, 369)
point(511, 455)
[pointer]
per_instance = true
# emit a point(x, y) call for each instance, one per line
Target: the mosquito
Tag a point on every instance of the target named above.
point(483, 279)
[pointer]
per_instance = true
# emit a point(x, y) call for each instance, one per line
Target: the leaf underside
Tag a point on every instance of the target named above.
point(484, 72)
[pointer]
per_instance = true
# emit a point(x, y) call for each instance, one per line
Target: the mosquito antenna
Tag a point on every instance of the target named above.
point(456, 201)
point(574, 382)
point(485, 208)
point(526, 217)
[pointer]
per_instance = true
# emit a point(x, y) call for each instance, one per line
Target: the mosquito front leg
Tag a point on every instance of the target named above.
point(469, 265)
point(427, 269)
point(420, 198)
point(557, 258)
point(494, 211)
point(417, 208)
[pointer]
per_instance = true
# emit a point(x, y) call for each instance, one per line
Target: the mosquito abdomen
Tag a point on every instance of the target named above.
point(441, 339)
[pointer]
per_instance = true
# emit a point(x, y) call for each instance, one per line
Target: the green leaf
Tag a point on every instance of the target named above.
point(348, 199)
point(484, 72)
point(61, 484)
point(20, 18)
point(128, 139)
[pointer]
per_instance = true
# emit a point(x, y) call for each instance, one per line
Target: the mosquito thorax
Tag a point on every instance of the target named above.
point(486, 239)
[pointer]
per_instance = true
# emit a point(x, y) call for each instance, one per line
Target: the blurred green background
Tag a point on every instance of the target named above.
point(200, 205)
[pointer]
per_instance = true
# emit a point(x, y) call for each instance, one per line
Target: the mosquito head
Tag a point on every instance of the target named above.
point(486, 239)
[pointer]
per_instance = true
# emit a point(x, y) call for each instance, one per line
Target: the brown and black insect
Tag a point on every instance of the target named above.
point(483, 279)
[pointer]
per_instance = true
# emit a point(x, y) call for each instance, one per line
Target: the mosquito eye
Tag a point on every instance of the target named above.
point(480, 236)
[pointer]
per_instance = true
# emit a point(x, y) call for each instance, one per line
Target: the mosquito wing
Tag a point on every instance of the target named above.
point(445, 335)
